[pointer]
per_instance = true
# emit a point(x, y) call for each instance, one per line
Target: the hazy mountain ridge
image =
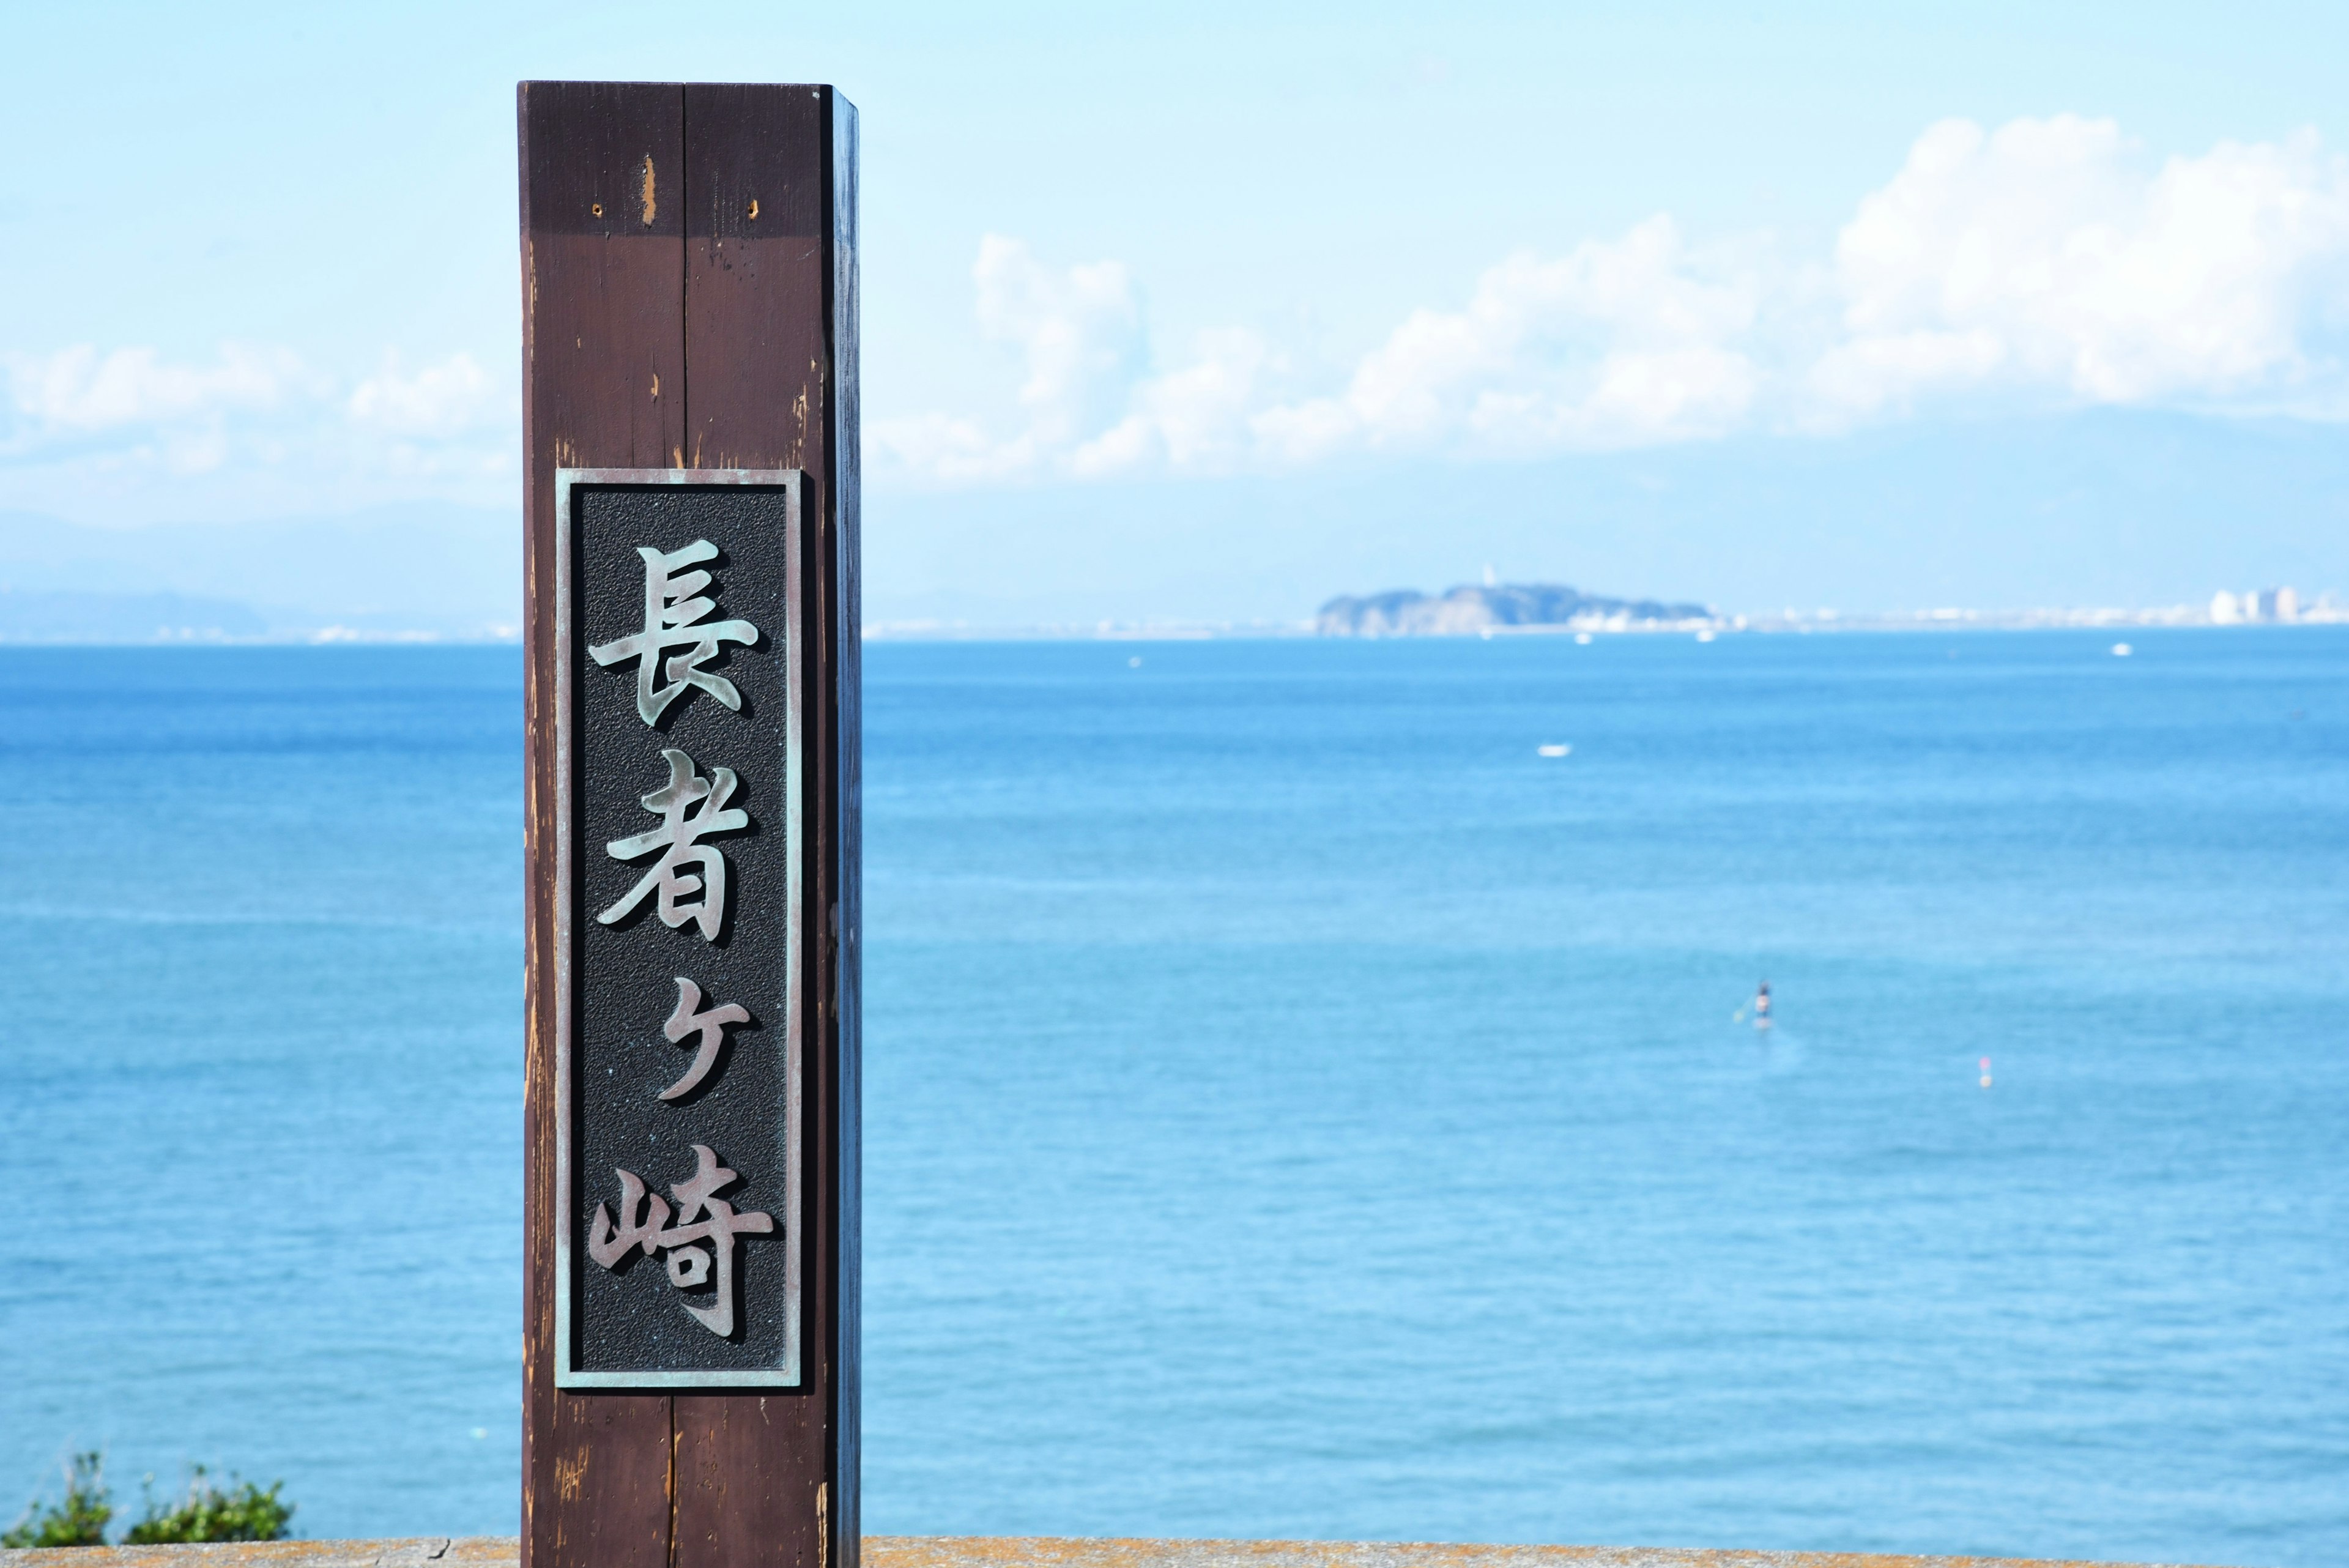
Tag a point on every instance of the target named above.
point(1469, 610)
point(420, 572)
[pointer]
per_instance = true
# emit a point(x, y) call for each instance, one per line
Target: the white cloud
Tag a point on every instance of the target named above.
point(2046, 262)
point(1078, 334)
point(2047, 255)
point(443, 399)
point(77, 389)
point(1618, 344)
point(78, 416)
point(1200, 416)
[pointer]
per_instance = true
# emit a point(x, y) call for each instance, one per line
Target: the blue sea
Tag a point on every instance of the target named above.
point(1294, 1105)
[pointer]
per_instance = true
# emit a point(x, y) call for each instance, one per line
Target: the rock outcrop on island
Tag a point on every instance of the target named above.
point(1469, 611)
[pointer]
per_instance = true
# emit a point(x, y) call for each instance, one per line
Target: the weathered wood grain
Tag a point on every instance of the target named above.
point(603, 384)
point(760, 1482)
point(701, 313)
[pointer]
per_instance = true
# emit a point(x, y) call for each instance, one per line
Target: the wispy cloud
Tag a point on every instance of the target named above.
point(128, 416)
point(77, 389)
point(1620, 343)
point(2048, 263)
point(440, 401)
point(1078, 331)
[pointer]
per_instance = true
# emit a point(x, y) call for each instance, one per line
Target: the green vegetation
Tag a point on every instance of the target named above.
point(79, 1519)
point(244, 1511)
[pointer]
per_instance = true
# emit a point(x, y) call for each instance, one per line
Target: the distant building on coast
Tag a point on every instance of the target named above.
point(2254, 605)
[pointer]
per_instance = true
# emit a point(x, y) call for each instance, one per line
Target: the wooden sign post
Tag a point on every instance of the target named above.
point(689, 1349)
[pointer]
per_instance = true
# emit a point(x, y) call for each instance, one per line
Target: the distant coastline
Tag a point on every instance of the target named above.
point(1595, 615)
point(37, 619)
point(1469, 611)
point(1517, 608)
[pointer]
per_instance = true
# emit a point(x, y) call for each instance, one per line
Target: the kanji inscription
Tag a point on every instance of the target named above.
point(674, 609)
point(681, 1177)
point(690, 876)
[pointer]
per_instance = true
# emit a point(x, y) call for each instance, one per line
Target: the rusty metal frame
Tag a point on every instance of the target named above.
point(792, 481)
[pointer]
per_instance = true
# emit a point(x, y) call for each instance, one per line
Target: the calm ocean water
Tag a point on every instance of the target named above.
point(1295, 1107)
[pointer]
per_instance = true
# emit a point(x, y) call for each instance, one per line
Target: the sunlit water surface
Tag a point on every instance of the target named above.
point(1294, 1106)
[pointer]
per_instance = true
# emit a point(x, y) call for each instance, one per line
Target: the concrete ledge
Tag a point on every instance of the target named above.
point(1020, 1552)
point(438, 1551)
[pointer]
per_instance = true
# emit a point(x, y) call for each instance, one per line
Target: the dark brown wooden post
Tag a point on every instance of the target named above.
point(689, 257)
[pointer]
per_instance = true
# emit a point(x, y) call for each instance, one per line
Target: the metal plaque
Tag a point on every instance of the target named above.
point(677, 1067)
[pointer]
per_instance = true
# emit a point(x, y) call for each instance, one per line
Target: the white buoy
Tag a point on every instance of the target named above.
point(1583, 638)
point(2122, 651)
point(1552, 751)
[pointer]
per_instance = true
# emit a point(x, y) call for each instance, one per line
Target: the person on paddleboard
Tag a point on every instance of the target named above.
point(1761, 1006)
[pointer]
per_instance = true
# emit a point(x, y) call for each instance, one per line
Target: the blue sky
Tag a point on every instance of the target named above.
point(1216, 311)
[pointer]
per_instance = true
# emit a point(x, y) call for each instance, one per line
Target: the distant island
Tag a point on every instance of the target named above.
point(1470, 611)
